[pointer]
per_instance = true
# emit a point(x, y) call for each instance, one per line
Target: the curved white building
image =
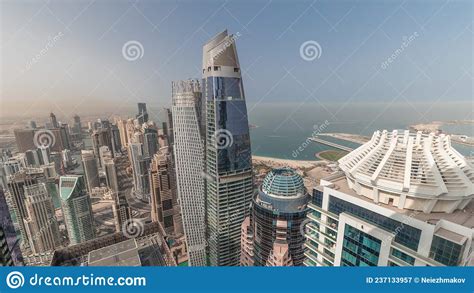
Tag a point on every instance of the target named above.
point(401, 199)
point(189, 161)
point(415, 171)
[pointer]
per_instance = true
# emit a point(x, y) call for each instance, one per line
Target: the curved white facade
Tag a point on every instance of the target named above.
point(189, 160)
point(411, 171)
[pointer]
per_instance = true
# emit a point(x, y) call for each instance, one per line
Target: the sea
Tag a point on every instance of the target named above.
point(281, 130)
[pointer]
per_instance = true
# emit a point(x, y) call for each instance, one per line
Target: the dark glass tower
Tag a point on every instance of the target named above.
point(282, 198)
point(142, 115)
point(228, 154)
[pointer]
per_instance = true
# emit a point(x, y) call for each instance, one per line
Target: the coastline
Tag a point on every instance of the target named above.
point(295, 164)
point(357, 138)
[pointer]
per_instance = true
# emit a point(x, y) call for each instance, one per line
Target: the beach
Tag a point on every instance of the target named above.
point(275, 162)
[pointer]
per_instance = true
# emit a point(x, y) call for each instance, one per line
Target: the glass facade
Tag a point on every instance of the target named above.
point(402, 256)
point(359, 248)
point(232, 117)
point(227, 154)
point(317, 198)
point(445, 251)
point(404, 234)
point(265, 234)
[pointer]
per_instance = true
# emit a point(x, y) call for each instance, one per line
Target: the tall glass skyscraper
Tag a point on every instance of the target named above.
point(77, 209)
point(189, 162)
point(228, 155)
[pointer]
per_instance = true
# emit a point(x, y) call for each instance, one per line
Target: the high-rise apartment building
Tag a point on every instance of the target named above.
point(150, 142)
point(101, 137)
point(140, 166)
point(228, 155)
point(77, 209)
point(10, 253)
point(42, 228)
point(122, 128)
point(142, 115)
point(91, 169)
point(77, 128)
point(189, 163)
point(116, 177)
point(16, 187)
point(272, 233)
point(401, 199)
point(164, 197)
point(53, 120)
point(24, 139)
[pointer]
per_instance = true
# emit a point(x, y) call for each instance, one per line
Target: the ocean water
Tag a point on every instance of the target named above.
point(282, 129)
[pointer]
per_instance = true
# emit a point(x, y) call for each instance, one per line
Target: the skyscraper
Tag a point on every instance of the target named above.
point(91, 170)
point(53, 120)
point(228, 154)
point(142, 115)
point(41, 224)
point(116, 140)
point(401, 199)
point(77, 209)
point(278, 212)
point(115, 173)
point(122, 127)
point(164, 198)
point(140, 166)
point(101, 137)
point(77, 128)
point(189, 163)
point(10, 253)
point(150, 143)
point(24, 139)
point(16, 187)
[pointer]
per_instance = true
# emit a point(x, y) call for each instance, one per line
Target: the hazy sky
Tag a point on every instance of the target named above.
point(66, 56)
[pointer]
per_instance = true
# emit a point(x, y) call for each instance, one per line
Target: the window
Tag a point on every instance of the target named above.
point(403, 256)
point(167, 204)
point(406, 235)
point(168, 221)
point(236, 69)
point(317, 198)
point(359, 248)
point(445, 251)
point(217, 68)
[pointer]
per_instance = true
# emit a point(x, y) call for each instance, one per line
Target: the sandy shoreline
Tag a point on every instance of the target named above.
point(284, 162)
point(361, 139)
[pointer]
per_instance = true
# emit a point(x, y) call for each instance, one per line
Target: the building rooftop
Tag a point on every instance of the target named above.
point(283, 190)
point(421, 166)
point(464, 217)
point(121, 254)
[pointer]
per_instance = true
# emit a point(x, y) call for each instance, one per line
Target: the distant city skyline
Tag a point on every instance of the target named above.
point(65, 57)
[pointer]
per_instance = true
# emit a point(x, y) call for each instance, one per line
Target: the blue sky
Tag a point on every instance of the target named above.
point(84, 63)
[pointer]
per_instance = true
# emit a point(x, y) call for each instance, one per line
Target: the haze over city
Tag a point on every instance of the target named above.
point(66, 55)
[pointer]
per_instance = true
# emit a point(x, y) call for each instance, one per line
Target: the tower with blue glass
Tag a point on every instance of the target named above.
point(229, 177)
